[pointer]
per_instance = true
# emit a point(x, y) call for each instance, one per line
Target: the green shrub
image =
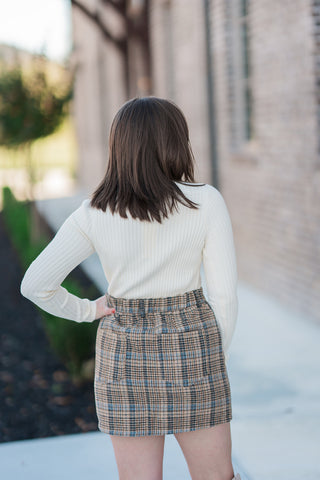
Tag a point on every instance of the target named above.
point(73, 343)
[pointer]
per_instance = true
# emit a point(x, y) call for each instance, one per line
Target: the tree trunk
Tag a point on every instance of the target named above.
point(34, 214)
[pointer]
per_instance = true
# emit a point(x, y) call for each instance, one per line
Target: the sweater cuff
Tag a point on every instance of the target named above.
point(92, 311)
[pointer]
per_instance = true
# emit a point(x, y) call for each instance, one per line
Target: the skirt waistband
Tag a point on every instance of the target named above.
point(161, 304)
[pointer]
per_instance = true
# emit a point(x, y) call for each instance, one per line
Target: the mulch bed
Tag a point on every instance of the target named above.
point(37, 396)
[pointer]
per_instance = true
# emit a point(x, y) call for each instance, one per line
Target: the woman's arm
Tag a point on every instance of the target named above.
point(220, 267)
point(42, 281)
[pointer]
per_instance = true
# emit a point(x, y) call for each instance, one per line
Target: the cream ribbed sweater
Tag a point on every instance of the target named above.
point(143, 259)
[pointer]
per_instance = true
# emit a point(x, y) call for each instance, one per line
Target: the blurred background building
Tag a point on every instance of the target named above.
point(246, 73)
point(247, 76)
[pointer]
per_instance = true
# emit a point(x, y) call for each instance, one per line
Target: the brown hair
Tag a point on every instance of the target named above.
point(149, 150)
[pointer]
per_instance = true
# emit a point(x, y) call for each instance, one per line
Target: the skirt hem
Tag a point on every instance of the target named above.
point(163, 432)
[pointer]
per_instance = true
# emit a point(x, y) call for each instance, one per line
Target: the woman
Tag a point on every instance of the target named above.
point(161, 347)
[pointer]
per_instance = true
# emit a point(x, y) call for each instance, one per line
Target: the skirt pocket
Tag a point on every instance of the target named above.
point(164, 359)
point(110, 355)
point(184, 357)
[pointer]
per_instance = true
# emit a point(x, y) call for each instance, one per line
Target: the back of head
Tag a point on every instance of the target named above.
point(149, 150)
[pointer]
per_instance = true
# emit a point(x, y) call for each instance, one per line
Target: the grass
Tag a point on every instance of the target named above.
point(74, 343)
point(58, 150)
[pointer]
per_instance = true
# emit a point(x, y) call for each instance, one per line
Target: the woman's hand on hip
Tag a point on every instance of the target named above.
point(102, 308)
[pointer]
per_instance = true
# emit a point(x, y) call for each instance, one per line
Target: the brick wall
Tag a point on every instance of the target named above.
point(99, 91)
point(316, 30)
point(179, 68)
point(271, 184)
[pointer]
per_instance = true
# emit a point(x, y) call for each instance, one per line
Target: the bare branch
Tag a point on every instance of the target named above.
point(120, 6)
point(95, 18)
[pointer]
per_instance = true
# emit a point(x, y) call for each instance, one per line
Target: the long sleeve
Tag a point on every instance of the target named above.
point(220, 267)
point(42, 281)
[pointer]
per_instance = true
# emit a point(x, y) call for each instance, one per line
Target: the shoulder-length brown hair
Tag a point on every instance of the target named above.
point(149, 150)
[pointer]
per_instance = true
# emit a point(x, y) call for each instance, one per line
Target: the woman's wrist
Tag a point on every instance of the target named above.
point(102, 308)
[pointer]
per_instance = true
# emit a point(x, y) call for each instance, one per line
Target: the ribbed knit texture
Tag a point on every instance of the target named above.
point(143, 259)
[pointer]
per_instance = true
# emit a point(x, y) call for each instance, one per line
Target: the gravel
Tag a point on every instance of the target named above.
point(38, 398)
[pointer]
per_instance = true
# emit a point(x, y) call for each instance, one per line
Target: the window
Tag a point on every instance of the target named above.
point(238, 71)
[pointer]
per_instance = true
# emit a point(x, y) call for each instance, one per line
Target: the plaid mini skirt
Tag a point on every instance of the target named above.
point(160, 367)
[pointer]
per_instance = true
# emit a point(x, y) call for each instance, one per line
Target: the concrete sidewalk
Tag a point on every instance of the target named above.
point(274, 371)
point(87, 456)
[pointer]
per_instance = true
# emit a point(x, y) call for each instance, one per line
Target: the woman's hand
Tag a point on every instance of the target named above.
point(102, 308)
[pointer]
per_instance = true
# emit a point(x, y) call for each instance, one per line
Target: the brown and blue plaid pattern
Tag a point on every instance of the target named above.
point(160, 367)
